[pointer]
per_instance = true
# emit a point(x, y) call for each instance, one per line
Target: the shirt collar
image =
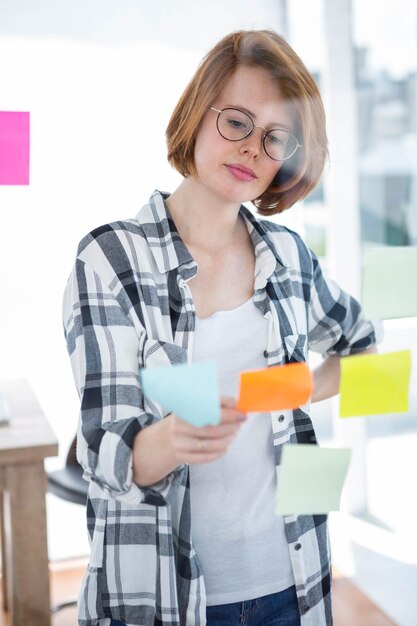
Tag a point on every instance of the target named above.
point(170, 252)
point(266, 254)
point(165, 243)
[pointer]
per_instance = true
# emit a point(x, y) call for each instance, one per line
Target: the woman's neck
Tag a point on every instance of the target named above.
point(202, 219)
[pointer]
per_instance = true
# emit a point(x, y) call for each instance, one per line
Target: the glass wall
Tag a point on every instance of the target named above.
point(385, 52)
point(385, 72)
point(377, 44)
point(364, 57)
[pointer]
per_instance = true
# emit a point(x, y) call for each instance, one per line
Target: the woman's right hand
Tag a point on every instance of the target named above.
point(203, 444)
point(159, 448)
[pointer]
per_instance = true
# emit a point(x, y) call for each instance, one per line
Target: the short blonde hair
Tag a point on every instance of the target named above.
point(268, 50)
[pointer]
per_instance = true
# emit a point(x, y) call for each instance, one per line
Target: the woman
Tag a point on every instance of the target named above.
point(181, 518)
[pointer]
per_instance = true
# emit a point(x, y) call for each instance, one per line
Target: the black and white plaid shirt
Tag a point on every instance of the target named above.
point(127, 306)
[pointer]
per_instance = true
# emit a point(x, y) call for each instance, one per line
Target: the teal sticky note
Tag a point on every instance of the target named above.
point(389, 282)
point(310, 479)
point(188, 390)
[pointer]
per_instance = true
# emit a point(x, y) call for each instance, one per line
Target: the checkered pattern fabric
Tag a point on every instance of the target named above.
point(127, 306)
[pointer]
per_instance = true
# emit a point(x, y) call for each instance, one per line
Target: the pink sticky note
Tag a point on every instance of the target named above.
point(14, 148)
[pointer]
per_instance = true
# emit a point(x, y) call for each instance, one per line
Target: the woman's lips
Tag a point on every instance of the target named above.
point(241, 172)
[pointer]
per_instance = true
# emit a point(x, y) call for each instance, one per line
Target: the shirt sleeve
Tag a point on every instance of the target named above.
point(103, 344)
point(336, 322)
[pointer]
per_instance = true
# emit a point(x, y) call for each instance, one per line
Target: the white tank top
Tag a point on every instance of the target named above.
point(239, 540)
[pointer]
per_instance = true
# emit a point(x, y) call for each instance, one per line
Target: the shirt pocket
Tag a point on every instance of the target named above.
point(157, 353)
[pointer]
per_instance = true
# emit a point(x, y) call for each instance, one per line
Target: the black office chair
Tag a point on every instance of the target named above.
point(68, 484)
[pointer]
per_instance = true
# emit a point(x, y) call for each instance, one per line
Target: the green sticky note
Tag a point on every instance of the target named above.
point(389, 282)
point(375, 383)
point(310, 479)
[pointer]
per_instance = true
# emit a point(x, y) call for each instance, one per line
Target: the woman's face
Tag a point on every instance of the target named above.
point(239, 171)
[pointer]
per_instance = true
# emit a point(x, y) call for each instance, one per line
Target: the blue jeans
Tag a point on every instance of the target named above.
point(277, 609)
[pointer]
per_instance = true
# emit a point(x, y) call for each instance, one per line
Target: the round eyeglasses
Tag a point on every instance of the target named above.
point(235, 125)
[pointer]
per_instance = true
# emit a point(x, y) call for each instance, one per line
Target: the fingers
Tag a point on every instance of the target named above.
point(229, 412)
point(229, 425)
point(187, 432)
point(194, 450)
point(232, 416)
point(228, 402)
point(203, 444)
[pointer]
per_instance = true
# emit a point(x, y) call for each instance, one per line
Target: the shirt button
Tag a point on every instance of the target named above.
point(266, 354)
point(281, 418)
point(305, 609)
point(297, 546)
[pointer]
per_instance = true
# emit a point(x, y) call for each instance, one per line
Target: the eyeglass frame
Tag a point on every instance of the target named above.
point(220, 111)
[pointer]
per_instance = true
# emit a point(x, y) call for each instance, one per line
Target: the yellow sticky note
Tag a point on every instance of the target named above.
point(375, 383)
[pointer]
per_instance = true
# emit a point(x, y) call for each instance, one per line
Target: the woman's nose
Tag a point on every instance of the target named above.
point(253, 143)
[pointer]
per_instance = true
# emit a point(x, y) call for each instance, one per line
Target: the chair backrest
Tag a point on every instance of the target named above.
point(68, 483)
point(72, 453)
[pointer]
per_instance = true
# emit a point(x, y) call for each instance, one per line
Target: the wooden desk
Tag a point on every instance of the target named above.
point(24, 444)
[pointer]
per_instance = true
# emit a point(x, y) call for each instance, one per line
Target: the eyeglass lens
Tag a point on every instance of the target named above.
point(235, 125)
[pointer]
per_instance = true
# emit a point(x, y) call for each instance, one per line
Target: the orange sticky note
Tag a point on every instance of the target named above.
point(275, 388)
